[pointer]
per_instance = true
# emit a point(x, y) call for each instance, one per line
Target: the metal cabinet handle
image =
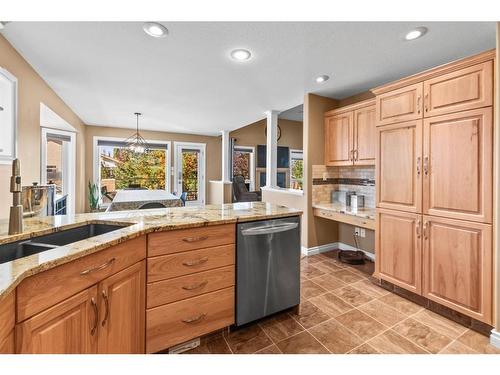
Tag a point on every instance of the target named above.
point(98, 268)
point(96, 316)
point(195, 239)
point(418, 104)
point(417, 227)
point(195, 319)
point(356, 153)
point(195, 286)
point(426, 165)
point(106, 304)
point(283, 227)
point(425, 230)
point(418, 166)
point(426, 102)
point(192, 263)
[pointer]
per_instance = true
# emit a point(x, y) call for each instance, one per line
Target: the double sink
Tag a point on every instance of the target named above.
point(20, 249)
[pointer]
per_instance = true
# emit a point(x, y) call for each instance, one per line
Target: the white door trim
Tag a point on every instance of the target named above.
point(193, 145)
point(69, 166)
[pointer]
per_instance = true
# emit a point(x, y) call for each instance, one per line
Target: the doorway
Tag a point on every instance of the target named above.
point(59, 165)
point(189, 171)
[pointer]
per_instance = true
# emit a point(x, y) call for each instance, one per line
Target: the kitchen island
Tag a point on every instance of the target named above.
point(166, 276)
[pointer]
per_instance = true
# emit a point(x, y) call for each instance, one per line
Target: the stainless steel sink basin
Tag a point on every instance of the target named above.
point(20, 249)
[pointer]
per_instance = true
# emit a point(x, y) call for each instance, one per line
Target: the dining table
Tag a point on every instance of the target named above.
point(133, 199)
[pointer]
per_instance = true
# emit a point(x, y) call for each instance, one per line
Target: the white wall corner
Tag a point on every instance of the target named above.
point(332, 246)
point(271, 147)
point(495, 338)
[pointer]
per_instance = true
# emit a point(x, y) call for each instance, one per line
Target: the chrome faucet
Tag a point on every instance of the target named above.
point(16, 210)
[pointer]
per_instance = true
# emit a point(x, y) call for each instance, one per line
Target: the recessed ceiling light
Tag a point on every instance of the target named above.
point(241, 54)
point(416, 33)
point(322, 79)
point(155, 29)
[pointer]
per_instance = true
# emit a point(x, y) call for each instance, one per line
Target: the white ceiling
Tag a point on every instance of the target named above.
point(106, 71)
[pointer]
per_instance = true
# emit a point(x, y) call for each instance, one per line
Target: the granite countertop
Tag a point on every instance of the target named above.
point(365, 212)
point(142, 222)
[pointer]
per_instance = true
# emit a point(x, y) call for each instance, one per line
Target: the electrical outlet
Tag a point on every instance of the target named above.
point(362, 233)
point(325, 176)
point(357, 231)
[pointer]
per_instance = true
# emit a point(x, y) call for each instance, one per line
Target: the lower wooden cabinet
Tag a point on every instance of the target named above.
point(7, 344)
point(122, 303)
point(399, 248)
point(106, 318)
point(458, 265)
point(70, 327)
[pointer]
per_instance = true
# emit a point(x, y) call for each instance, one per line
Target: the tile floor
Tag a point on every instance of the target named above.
point(343, 312)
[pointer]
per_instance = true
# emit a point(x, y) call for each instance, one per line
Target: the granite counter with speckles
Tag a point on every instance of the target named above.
point(137, 223)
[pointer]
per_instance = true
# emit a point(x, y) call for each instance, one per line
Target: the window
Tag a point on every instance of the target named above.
point(243, 164)
point(190, 171)
point(120, 168)
point(296, 169)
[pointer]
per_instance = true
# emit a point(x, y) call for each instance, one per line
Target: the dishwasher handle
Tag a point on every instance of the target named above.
point(264, 229)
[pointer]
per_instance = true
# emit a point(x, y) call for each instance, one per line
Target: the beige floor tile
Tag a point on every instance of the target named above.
point(310, 271)
point(329, 282)
point(309, 315)
point(364, 349)
point(347, 276)
point(273, 349)
point(352, 295)
point(361, 324)
point(337, 338)
point(439, 323)
point(328, 266)
point(382, 313)
point(303, 343)
point(457, 347)
point(280, 327)
point(309, 289)
point(248, 340)
point(478, 342)
point(213, 346)
point(369, 288)
point(331, 304)
point(313, 258)
point(422, 335)
point(390, 342)
point(401, 304)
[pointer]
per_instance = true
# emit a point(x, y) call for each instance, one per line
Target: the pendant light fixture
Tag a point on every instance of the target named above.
point(136, 142)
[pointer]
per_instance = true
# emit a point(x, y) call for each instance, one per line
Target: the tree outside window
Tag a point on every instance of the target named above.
point(296, 169)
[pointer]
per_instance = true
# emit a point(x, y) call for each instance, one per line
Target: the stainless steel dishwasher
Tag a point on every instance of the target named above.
point(267, 268)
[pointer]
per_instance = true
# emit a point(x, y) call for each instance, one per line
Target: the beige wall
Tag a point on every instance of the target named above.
point(213, 149)
point(319, 231)
point(32, 90)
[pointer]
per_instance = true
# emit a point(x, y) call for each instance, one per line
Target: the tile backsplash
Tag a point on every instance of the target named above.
point(358, 179)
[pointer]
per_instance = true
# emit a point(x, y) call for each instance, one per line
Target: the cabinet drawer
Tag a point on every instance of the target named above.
point(169, 266)
point(183, 287)
point(461, 90)
point(404, 104)
point(45, 289)
point(7, 315)
point(177, 322)
point(177, 241)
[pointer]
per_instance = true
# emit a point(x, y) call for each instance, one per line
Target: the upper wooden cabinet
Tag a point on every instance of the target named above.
point(458, 165)
point(399, 166)
point(350, 135)
point(464, 89)
point(70, 327)
point(404, 104)
point(122, 304)
point(458, 265)
point(338, 139)
point(398, 247)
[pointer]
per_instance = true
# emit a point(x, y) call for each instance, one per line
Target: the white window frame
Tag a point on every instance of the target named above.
point(252, 163)
point(290, 158)
point(202, 147)
point(7, 158)
point(69, 164)
point(96, 165)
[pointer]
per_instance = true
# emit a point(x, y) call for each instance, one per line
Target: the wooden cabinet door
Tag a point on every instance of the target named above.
point(399, 166)
point(122, 307)
point(398, 249)
point(458, 164)
point(364, 136)
point(465, 89)
point(457, 266)
point(7, 344)
point(338, 139)
point(404, 104)
point(70, 327)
